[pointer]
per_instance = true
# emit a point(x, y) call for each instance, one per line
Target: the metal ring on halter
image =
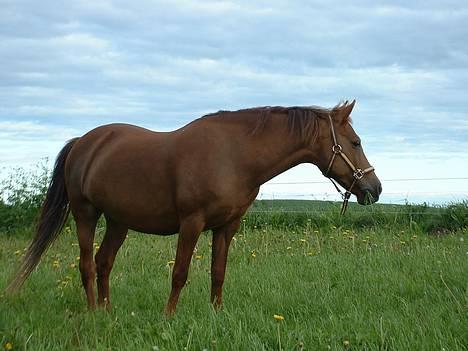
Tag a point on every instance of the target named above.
point(337, 149)
point(358, 173)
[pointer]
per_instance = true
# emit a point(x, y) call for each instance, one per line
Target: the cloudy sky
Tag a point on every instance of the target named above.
point(66, 67)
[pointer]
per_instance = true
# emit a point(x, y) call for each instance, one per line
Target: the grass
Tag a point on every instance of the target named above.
point(338, 286)
point(383, 277)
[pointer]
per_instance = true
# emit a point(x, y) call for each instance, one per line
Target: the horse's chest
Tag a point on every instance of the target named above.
point(228, 208)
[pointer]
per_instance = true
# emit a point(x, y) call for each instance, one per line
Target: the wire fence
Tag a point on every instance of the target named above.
point(432, 211)
point(384, 180)
point(455, 190)
point(407, 213)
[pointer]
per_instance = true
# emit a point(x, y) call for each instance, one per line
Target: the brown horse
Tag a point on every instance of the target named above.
point(202, 176)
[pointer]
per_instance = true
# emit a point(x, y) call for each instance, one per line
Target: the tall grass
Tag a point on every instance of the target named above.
point(337, 288)
point(372, 280)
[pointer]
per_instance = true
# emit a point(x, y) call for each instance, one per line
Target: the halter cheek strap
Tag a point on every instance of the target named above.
point(358, 173)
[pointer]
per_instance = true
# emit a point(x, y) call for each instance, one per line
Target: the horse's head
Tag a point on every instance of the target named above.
point(343, 158)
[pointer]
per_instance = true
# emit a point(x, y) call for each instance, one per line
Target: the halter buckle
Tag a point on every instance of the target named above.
point(358, 173)
point(337, 149)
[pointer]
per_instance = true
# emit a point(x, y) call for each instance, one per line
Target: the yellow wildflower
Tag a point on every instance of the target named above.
point(278, 317)
point(198, 257)
point(170, 263)
point(8, 346)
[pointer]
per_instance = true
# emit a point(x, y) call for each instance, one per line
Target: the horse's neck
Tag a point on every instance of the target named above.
point(276, 151)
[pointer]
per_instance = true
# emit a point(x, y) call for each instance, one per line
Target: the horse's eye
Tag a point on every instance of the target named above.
point(357, 143)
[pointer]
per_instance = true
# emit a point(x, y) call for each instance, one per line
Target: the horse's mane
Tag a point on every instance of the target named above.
point(302, 120)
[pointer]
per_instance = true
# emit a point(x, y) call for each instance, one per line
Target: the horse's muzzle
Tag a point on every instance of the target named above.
point(369, 196)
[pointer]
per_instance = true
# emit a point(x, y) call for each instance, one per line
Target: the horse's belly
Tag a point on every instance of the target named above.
point(156, 228)
point(141, 207)
point(147, 220)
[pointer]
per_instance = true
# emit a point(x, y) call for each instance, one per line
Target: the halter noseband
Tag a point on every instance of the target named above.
point(358, 173)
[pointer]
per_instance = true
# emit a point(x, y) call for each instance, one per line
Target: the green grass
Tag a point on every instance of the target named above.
point(290, 214)
point(388, 288)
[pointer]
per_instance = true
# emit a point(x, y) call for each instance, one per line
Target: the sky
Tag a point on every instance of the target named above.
point(68, 67)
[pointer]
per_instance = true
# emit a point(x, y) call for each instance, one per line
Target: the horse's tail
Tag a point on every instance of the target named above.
point(53, 215)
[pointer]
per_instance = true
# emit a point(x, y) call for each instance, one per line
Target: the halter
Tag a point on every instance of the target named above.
point(357, 172)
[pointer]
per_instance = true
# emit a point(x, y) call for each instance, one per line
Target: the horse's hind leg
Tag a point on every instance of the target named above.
point(86, 217)
point(219, 252)
point(113, 239)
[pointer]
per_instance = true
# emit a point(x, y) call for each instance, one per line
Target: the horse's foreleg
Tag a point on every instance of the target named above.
point(221, 240)
point(190, 229)
point(113, 239)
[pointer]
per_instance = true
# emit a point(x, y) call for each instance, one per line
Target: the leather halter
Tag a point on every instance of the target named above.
point(358, 173)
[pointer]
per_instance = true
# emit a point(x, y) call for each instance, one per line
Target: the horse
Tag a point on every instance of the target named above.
point(203, 176)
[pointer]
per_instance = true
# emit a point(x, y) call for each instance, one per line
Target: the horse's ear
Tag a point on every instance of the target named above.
point(342, 112)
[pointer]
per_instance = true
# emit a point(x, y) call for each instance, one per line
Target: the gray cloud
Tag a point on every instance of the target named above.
point(163, 63)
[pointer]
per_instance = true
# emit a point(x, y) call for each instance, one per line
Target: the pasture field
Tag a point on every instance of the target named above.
point(383, 278)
